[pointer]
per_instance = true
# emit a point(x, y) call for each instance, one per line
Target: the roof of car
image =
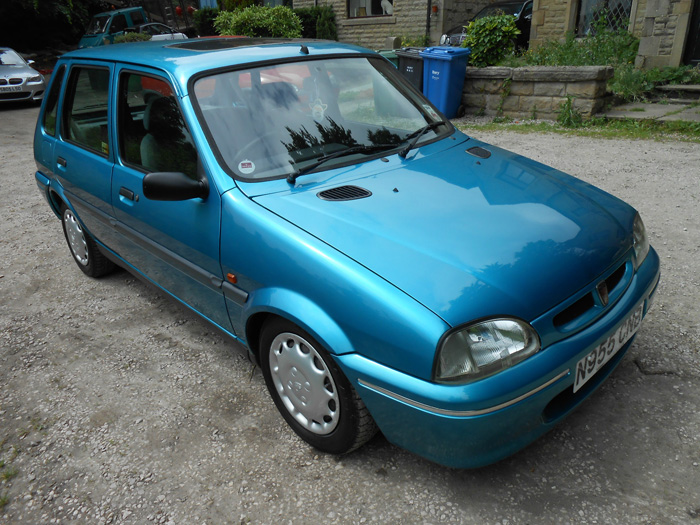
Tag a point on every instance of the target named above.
point(200, 54)
point(119, 11)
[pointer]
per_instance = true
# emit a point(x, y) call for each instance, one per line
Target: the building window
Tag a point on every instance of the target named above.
point(363, 8)
point(612, 14)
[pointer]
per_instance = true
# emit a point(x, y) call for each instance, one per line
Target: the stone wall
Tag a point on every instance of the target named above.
point(535, 92)
point(551, 19)
point(664, 33)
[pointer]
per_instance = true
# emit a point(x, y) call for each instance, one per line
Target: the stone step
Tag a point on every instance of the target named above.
point(687, 88)
point(680, 93)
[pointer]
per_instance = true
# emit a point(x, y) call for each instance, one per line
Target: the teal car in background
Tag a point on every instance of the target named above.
point(105, 27)
point(385, 270)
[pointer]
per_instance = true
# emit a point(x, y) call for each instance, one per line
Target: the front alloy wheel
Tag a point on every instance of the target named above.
point(304, 383)
point(310, 391)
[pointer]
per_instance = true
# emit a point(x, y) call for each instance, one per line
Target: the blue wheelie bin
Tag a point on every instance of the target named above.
point(443, 76)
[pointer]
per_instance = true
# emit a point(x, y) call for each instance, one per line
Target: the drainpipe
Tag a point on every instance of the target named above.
point(427, 24)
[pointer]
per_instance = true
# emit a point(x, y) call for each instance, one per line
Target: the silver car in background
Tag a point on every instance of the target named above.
point(18, 80)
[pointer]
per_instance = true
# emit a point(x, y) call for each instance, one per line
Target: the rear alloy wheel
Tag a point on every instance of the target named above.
point(310, 390)
point(83, 248)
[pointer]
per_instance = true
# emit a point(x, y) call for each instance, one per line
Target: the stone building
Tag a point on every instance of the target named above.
point(669, 30)
point(370, 22)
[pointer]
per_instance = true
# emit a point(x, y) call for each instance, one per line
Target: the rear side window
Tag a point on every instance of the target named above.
point(137, 18)
point(49, 122)
point(85, 113)
point(118, 24)
point(151, 129)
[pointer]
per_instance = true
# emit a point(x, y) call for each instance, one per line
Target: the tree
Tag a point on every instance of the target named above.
point(35, 24)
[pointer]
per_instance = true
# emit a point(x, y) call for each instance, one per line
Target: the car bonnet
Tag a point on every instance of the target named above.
point(470, 237)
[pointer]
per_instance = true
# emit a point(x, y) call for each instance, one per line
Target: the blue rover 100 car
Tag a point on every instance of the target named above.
point(386, 271)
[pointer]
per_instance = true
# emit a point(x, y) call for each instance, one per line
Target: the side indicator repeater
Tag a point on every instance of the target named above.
point(231, 278)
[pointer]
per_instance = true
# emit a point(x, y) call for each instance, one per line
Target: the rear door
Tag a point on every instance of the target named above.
point(83, 157)
point(174, 243)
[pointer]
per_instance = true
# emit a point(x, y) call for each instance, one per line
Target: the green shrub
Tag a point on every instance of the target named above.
point(308, 17)
point(234, 5)
point(569, 116)
point(415, 41)
point(490, 38)
point(132, 37)
point(602, 49)
point(204, 21)
point(630, 83)
point(317, 22)
point(325, 25)
point(259, 21)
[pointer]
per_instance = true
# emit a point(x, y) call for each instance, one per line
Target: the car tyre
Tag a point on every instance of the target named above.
point(83, 248)
point(311, 392)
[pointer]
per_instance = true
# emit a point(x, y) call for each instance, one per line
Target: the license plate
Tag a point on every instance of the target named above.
point(6, 89)
point(601, 354)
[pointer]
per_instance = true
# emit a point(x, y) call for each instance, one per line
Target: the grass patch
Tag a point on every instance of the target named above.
point(601, 128)
point(9, 473)
point(4, 500)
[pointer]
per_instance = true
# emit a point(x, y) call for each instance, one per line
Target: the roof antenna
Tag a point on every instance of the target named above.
point(304, 49)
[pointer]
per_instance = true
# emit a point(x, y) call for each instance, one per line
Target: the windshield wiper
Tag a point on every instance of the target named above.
point(292, 177)
point(416, 135)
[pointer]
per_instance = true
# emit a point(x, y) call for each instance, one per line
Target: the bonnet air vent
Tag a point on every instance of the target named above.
point(344, 193)
point(479, 152)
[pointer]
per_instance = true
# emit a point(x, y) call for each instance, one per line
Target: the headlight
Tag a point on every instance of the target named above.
point(483, 349)
point(34, 79)
point(444, 40)
point(641, 242)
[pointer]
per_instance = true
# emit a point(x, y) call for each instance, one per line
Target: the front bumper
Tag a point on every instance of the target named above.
point(25, 91)
point(466, 426)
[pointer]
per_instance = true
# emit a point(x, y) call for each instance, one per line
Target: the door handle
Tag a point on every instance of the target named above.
point(61, 162)
point(127, 194)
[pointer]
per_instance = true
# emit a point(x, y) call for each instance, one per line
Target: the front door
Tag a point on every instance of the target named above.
point(173, 243)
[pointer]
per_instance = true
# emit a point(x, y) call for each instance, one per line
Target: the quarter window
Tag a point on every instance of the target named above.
point(85, 113)
point(151, 129)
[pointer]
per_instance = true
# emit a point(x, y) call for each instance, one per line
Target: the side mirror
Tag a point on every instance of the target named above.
point(173, 186)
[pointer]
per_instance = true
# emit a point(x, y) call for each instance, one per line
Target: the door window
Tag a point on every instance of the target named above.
point(49, 122)
point(151, 129)
point(85, 115)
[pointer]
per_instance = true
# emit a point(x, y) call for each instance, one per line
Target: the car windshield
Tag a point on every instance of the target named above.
point(10, 58)
point(276, 120)
point(502, 9)
point(97, 25)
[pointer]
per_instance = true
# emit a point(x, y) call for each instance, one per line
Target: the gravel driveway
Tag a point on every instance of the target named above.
point(117, 405)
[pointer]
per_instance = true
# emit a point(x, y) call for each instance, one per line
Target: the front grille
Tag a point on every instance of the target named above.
point(344, 193)
point(588, 301)
point(574, 311)
point(15, 81)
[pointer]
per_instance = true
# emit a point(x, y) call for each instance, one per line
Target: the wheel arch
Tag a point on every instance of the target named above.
point(306, 314)
point(56, 201)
